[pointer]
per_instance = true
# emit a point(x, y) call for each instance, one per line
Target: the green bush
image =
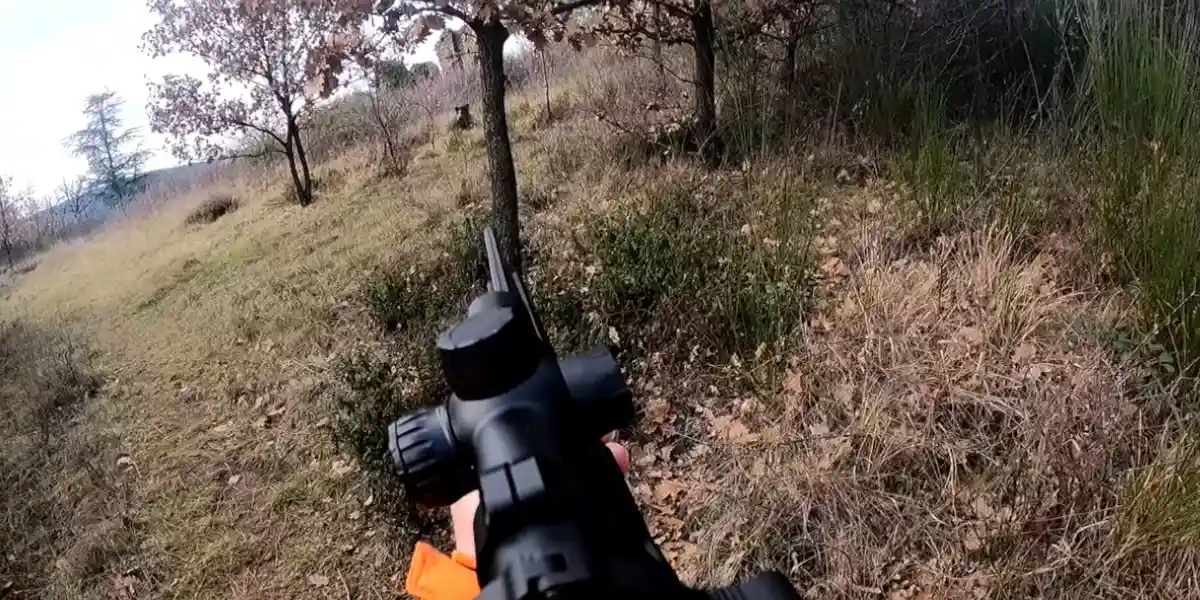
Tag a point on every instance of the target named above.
point(398, 299)
point(381, 384)
point(423, 294)
point(379, 391)
point(568, 314)
point(729, 275)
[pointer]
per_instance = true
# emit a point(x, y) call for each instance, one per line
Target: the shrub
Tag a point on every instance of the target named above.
point(56, 477)
point(377, 392)
point(568, 314)
point(402, 374)
point(211, 209)
point(423, 295)
point(727, 271)
point(407, 297)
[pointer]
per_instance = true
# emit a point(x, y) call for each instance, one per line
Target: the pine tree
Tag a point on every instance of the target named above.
point(113, 152)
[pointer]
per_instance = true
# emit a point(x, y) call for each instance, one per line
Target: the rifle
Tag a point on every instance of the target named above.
point(556, 519)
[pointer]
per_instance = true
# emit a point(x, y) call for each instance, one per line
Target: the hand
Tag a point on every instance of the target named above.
point(462, 513)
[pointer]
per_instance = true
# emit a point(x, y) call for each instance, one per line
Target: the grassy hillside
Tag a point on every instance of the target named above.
point(854, 362)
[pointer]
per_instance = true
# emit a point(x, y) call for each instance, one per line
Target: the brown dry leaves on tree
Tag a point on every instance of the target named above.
point(260, 55)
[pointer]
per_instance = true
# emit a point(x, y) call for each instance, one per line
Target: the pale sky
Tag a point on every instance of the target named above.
point(53, 53)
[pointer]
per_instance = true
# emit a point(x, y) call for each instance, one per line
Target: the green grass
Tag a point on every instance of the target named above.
point(1142, 101)
point(728, 274)
point(932, 166)
point(1161, 503)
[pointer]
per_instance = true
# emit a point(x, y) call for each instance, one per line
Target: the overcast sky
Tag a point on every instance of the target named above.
point(53, 53)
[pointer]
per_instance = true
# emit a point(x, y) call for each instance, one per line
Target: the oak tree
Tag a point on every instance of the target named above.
point(775, 29)
point(259, 55)
point(491, 23)
point(112, 151)
point(675, 22)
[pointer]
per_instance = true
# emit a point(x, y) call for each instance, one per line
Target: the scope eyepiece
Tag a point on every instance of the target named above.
point(425, 454)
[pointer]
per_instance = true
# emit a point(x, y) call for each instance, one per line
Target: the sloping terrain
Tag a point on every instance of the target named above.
point(879, 414)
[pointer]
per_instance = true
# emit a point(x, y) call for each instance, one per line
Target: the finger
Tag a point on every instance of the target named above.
point(620, 454)
point(462, 521)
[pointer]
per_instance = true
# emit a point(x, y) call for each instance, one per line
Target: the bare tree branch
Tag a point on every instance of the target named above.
point(567, 7)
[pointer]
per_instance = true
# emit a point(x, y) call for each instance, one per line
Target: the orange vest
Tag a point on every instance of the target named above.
point(435, 576)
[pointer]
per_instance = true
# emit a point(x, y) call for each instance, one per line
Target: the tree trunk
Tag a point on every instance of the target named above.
point(305, 173)
point(705, 113)
point(6, 235)
point(297, 185)
point(658, 52)
point(790, 99)
point(301, 177)
point(789, 63)
point(456, 45)
point(501, 171)
point(546, 77)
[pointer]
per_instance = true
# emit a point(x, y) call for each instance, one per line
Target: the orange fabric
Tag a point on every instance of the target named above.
point(435, 576)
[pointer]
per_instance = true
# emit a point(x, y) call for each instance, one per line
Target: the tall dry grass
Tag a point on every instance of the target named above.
point(66, 523)
point(948, 430)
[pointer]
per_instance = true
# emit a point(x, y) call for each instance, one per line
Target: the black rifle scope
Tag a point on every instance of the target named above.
point(556, 519)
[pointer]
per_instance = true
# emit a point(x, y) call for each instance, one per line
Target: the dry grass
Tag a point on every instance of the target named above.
point(951, 425)
point(62, 517)
point(952, 429)
point(217, 340)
